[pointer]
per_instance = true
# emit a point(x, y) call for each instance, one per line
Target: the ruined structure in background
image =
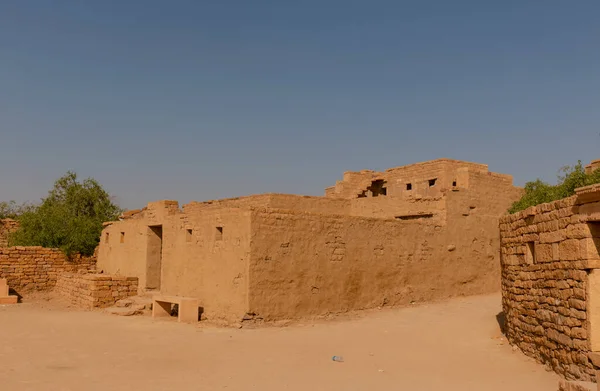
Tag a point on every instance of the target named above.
point(551, 282)
point(7, 227)
point(593, 166)
point(415, 233)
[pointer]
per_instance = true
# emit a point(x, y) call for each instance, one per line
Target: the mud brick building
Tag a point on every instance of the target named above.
point(421, 232)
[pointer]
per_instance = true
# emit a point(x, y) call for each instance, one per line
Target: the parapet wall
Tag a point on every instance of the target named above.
point(95, 290)
point(550, 282)
point(37, 268)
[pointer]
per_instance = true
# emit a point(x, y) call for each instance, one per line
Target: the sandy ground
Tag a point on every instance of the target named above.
point(445, 346)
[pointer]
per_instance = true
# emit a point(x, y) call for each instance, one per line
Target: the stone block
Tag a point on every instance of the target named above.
point(543, 252)
point(589, 209)
point(553, 236)
point(579, 231)
point(9, 299)
point(569, 250)
point(589, 248)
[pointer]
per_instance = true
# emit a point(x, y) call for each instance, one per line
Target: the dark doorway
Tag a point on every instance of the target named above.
point(154, 257)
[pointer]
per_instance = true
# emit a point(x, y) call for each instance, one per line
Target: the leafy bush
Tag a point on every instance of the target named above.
point(70, 218)
point(569, 179)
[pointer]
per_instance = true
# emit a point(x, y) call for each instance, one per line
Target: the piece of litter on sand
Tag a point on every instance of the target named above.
point(381, 370)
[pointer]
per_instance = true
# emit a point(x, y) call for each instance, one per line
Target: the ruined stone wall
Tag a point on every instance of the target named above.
point(275, 201)
point(95, 290)
point(37, 268)
point(409, 181)
point(7, 226)
point(550, 284)
point(593, 166)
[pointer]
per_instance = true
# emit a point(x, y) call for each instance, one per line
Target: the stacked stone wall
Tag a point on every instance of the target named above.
point(7, 227)
point(30, 269)
point(95, 290)
point(548, 253)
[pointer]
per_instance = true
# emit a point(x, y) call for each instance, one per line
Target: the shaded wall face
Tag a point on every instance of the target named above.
point(205, 255)
point(551, 284)
point(304, 264)
point(123, 249)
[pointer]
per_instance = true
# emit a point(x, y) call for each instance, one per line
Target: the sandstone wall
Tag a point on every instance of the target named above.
point(95, 290)
point(37, 268)
point(202, 253)
point(392, 207)
point(7, 226)
point(305, 264)
point(205, 255)
point(550, 284)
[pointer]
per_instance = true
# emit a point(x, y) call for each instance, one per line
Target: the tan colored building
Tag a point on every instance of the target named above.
point(421, 232)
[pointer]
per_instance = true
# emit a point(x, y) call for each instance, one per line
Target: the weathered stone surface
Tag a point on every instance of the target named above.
point(36, 268)
point(97, 291)
point(552, 306)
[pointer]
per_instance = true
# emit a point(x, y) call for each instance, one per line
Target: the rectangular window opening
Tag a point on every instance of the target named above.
point(530, 253)
point(219, 233)
point(106, 236)
point(454, 184)
point(409, 186)
point(188, 235)
point(122, 237)
point(432, 182)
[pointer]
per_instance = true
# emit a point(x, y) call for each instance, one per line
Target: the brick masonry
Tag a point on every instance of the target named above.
point(30, 269)
point(95, 290)
point(550, 260)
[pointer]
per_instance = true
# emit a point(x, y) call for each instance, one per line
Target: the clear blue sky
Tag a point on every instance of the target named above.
point(208, 99)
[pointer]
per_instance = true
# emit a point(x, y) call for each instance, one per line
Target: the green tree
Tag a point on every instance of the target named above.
point(12, 210)
point(69, 218)
point(569, 178)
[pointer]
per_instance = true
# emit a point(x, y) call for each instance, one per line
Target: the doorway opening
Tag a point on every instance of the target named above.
point(154, 257)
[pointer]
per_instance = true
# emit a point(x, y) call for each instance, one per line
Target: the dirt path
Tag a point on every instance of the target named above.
point(447, 346)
